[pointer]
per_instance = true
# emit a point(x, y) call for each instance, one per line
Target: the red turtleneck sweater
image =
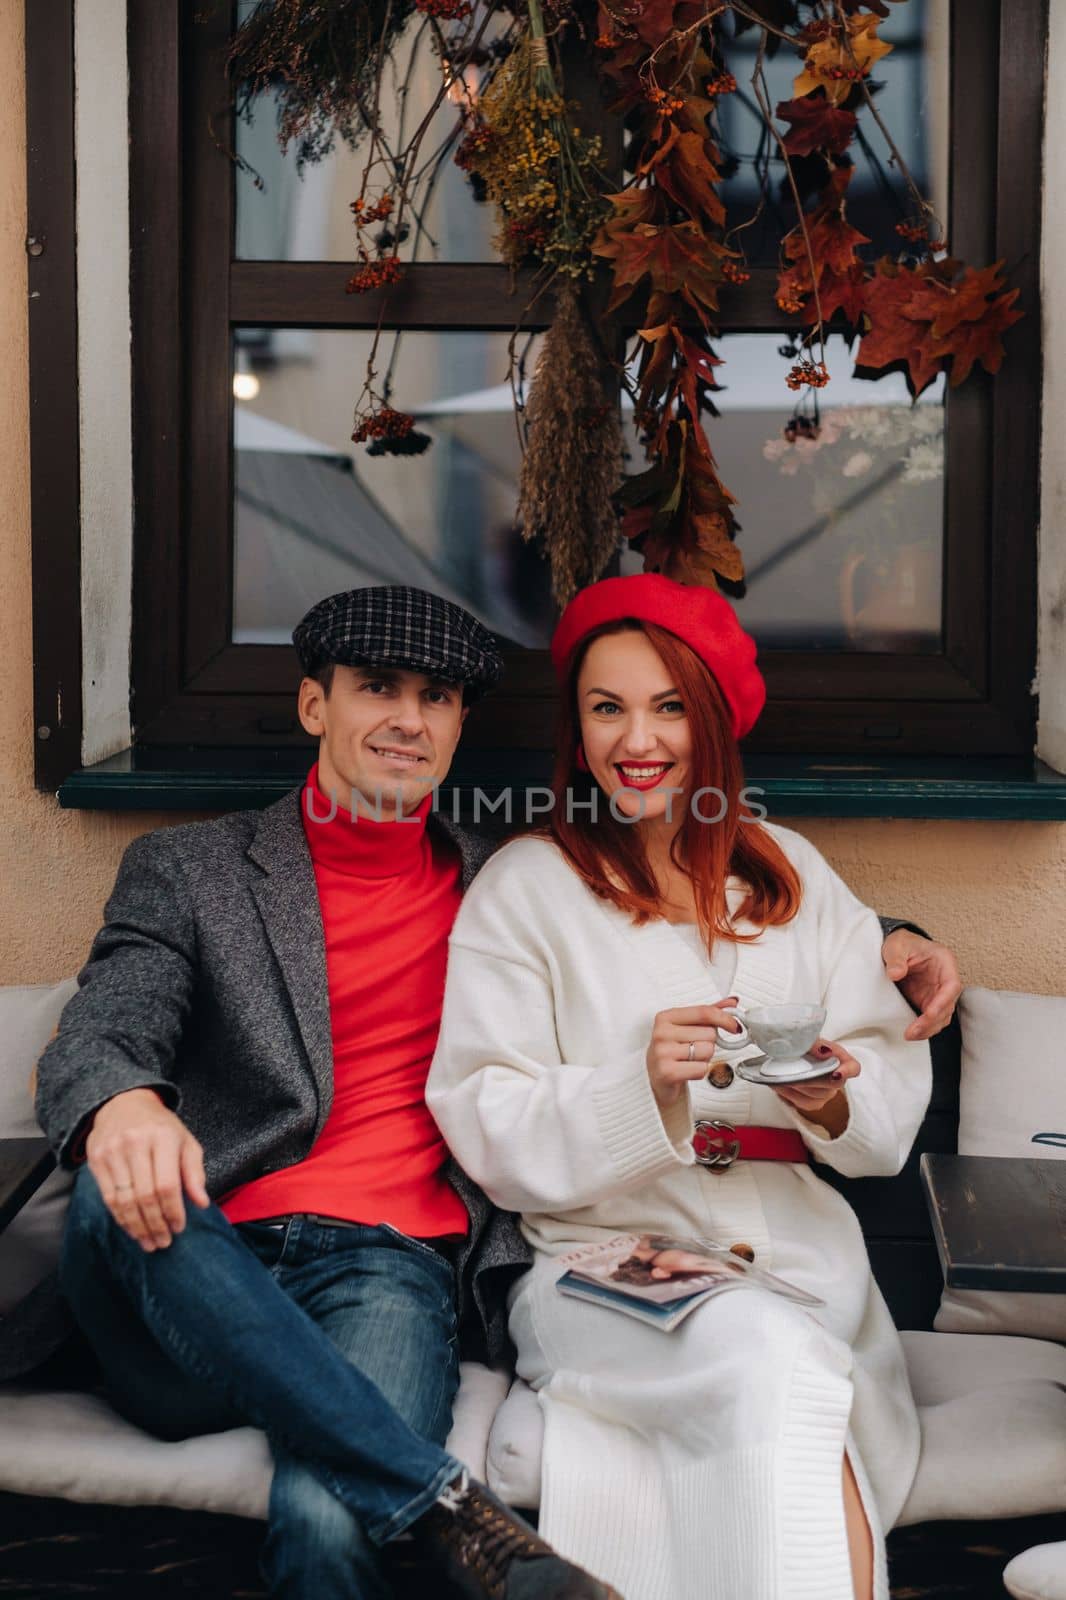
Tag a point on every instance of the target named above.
point(389, 893)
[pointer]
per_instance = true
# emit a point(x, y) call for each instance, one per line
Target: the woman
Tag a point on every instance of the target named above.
point(759, 1451)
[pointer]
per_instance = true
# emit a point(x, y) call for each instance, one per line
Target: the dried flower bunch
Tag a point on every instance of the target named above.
point(524, 146)
point(319, 56)
point(660, 233)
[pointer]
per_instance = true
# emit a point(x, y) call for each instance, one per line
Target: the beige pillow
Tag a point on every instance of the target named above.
point(1013, 1086)
point(29, 1246)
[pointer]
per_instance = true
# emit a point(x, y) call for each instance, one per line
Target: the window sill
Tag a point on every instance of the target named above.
point(792, 786)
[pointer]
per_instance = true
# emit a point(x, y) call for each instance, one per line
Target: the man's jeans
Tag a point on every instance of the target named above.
point(340, 1343)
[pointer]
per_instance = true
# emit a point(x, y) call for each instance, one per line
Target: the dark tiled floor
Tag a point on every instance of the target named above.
point(50, 1549)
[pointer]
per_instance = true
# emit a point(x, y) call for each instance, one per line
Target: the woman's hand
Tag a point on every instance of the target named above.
point(683, 1041)
point(824, 1102)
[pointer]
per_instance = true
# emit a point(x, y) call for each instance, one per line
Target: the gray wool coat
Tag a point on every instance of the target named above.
point(207, 983)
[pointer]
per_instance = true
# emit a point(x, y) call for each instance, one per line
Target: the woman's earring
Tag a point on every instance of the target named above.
point(579, 759)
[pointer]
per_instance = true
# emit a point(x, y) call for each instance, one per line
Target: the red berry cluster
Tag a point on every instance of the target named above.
point(721, 83)
point(445, 10)
point(374, 275)
point(665, 101)
point(801, 428)
point(383, 424)
point(918, 233)
point(809, 374)
point(471, 148)
point(734, 274)
point(605, 41)
point(364, 214)
point(790, 302)
point(527, 235)
point(844, 74)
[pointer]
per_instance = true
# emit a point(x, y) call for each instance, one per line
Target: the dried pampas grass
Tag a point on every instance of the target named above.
point(573, 458)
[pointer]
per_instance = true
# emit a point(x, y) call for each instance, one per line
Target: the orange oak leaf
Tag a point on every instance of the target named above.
point(679, 259)
point(699, 553)
point(831, 63)
point(816, 125)
point(688, 174)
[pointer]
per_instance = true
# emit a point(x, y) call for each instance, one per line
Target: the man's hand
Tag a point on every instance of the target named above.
point(928, 975)
point(141, 1155)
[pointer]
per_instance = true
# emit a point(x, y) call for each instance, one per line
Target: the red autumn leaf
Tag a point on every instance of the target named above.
point(688, 175)
point(979, 340)
point(816, 125)
point(655, 20)
point(696, 544)
point(950, 304)
point(694, 377)
point(832, 244)
point(928, 315)
point(894, 338)
point(681, 514)
point(844, 292)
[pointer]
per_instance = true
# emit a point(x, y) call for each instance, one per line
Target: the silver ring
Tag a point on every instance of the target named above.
point(692, 1050)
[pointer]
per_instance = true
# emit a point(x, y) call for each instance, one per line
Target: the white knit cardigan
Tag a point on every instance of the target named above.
point(540, 1086)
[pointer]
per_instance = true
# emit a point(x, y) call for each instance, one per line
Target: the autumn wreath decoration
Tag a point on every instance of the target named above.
point(657, 230)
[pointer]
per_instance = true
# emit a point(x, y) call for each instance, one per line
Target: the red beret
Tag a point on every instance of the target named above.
point(701, 617)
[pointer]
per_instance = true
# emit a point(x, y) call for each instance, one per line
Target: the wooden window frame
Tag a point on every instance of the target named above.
point(192, 686)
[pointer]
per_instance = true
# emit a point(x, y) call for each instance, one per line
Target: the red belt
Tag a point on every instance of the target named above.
point(719, 1144)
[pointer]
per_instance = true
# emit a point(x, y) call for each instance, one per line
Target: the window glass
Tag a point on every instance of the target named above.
point(315, 513)
point(843, 527)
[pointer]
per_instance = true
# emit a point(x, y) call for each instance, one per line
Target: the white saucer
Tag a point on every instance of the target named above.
point(817, 1068)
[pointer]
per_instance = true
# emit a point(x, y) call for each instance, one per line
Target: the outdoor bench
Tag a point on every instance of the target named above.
point(992, 1475)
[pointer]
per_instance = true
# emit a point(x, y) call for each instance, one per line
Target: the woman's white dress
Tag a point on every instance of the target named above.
point(704, 1464)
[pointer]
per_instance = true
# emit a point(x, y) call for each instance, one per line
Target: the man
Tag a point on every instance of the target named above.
point(267, 1227)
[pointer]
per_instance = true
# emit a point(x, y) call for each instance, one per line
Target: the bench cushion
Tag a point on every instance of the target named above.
point(1038, 1574)
point(29, 1246)
point(73, 1446)
point(981, 1402)
point(1013, 1086)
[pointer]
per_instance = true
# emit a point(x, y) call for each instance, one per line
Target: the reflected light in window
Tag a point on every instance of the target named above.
point(245, 385)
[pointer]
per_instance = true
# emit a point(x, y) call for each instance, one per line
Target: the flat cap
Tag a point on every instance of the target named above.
point(396, 626)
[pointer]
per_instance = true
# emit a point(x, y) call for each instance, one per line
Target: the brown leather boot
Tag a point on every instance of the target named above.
point(491, 1554)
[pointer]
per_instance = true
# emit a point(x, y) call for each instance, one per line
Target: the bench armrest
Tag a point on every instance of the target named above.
point(24, 1165)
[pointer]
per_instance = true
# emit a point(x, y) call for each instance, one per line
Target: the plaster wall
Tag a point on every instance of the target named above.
point(996, 890)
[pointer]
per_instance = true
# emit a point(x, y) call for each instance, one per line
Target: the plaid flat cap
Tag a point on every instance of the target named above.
point(396, 626)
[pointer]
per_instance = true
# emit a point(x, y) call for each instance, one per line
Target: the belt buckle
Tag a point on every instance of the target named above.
point(718, 1150)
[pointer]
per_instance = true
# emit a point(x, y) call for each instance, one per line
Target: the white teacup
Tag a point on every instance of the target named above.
point(783, 1033)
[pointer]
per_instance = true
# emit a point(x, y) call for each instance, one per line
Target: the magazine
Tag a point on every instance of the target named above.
point(660, 1280)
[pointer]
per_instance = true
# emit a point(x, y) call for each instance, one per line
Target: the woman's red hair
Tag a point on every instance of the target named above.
point(609, 855)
